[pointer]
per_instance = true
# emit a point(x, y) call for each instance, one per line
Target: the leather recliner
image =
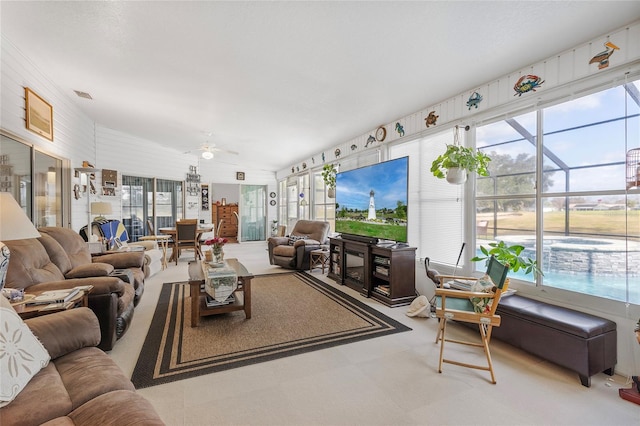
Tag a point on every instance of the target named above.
point(75, 254)
point(111, 299)
point(293, 252)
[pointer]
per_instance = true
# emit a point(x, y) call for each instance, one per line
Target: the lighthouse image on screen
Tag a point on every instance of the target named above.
point(372, 201)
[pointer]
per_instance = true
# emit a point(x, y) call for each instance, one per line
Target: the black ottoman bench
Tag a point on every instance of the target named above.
point(581, 342)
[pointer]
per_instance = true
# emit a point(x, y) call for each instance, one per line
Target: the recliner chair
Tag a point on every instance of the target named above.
point(293, 252)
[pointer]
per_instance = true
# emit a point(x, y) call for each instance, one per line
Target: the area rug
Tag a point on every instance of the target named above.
point(292, 313)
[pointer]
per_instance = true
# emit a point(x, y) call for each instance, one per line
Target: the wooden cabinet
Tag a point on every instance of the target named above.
point(229, 216)
point(384, 273)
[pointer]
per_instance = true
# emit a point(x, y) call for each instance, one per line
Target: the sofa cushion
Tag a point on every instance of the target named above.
point(30, 264)
point(73, 245)
point(90, 270)
point(22, 354)
point(75, 367)
point(107, 410)
point(284, 250)
point(31, 408)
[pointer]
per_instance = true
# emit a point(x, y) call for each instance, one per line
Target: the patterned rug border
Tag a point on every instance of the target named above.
point(149, 372)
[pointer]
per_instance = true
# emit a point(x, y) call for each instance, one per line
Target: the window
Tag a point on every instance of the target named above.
point(324, 208)
point(157, 200)
point(435, 215)
point(35, 180)
point(505, 200)
point(590, 235)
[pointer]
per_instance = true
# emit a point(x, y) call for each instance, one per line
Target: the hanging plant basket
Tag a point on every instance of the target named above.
point(331, 193)
point(466, 160)
point(456, 175)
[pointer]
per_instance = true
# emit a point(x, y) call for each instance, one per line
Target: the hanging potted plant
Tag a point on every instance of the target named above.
point(329, 176)
point(459, 160)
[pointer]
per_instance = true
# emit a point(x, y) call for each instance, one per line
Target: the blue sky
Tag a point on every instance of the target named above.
point(387, 179)
point(594, 145)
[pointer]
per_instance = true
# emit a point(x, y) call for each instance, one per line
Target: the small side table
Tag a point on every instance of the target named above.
point(318, 259)
point(163, 242)
point(26, 311)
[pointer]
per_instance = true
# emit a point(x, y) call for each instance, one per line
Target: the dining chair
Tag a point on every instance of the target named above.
point(187, 237)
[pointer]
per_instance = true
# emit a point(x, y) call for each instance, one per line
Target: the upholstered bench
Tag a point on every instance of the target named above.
point(575, 340)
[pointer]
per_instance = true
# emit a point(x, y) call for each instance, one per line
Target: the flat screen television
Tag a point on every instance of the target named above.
point(372, 202)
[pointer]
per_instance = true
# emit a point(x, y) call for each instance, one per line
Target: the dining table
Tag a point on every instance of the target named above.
point(171, 231)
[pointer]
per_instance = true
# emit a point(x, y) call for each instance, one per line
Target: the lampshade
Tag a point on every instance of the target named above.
point(14, 223)
point(101, 208)
point(207, 155)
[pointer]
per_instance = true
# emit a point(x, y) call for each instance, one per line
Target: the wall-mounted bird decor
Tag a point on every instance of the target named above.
point(602, 58)
point(400, 129)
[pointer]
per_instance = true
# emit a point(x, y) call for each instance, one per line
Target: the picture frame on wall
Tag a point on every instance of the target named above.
point(39, 114)
point(239, 175)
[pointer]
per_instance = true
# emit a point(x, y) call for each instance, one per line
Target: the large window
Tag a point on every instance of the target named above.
point(157, 200)
point(35, 180)
point(569, 178)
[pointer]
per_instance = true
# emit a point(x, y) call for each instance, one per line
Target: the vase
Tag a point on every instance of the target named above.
point(218, 255)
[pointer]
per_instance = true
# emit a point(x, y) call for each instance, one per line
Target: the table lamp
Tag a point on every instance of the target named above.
point(101, 208)
point(14, 225)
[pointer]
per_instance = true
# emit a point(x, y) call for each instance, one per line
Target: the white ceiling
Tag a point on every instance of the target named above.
point(279, 82)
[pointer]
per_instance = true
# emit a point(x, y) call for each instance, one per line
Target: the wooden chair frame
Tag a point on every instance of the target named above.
point(485, 321)
point(187, 237)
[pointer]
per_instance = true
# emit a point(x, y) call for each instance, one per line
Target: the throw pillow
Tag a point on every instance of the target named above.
point(294, 238)
point(21, 353)
point(483, 285)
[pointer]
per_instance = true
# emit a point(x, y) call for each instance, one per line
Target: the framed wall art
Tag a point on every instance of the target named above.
point(239, 175)
point(39, 114)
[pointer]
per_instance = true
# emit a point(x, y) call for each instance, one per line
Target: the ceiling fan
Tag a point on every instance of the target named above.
point(208, 151)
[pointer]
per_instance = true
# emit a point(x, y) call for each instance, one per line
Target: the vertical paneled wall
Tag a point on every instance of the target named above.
point(566, 74)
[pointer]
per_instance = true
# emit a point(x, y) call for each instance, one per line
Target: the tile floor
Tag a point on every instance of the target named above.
point(392, 380)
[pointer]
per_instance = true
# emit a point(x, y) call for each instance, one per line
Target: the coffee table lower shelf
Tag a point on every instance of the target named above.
point(242, 294)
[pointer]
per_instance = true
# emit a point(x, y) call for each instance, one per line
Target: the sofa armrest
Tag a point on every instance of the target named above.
point(278, 241)
point(129, 259)
point(96, 269)
point(67, 331)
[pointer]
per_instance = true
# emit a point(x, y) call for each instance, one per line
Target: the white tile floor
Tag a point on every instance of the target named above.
point(392, 380)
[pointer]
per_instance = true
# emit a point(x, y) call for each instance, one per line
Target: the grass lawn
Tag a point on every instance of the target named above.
point(594, 223)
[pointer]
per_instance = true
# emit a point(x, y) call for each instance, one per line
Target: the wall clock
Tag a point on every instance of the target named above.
point(272, 195)
point(272, 202)
point(381, 133)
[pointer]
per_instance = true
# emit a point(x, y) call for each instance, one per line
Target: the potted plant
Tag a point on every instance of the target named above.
point(509, 256)
point(329, 176)
point(457, 161)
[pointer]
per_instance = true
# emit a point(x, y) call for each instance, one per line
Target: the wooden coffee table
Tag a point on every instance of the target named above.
point(198, 295)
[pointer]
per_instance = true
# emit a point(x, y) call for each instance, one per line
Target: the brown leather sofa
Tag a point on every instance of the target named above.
point(294, 251)
point(75, 254)
point(81, 385)
point(33, 269)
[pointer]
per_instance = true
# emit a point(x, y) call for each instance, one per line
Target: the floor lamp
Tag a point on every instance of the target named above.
point(87, 171)
point(14, 225)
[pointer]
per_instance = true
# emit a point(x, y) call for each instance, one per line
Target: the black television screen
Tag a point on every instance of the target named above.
point(372, 201)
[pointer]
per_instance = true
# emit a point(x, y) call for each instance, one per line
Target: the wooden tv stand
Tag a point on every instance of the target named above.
point(383, 272)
